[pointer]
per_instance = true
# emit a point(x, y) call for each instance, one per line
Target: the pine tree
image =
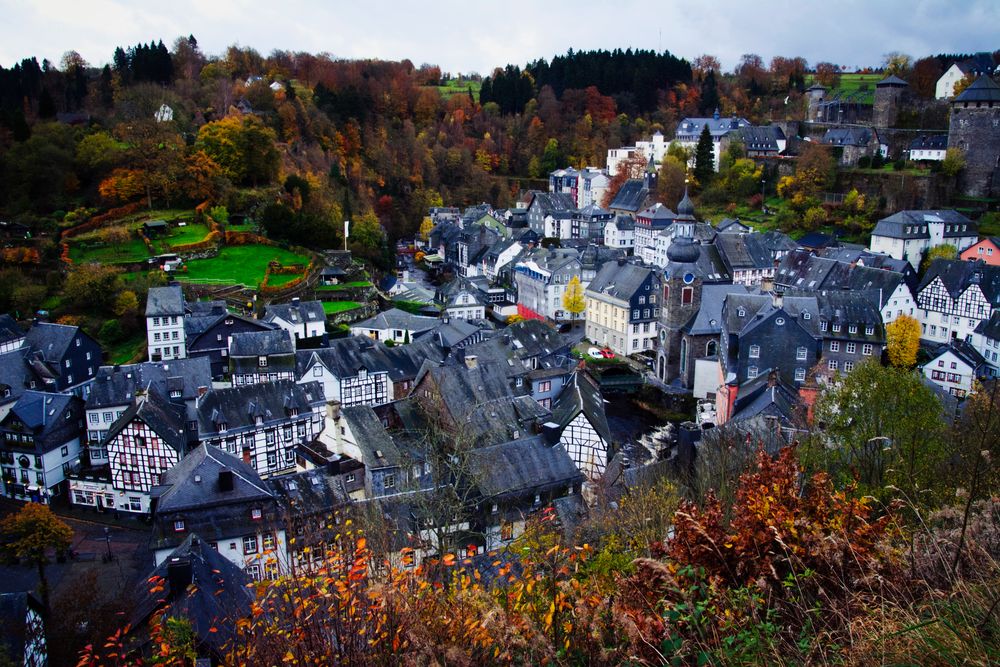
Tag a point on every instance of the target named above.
point(704, 157)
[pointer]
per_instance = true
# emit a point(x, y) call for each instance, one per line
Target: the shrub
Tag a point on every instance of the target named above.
point(111, 332)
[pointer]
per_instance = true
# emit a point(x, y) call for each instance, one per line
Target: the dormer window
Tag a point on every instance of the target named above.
point(755, 351)
point(740, 312)
point(836, 328)
point(229, 321)
point(870, 330)
point(807, 315)
point(262, 361)
point(853, 329)
point(222, 427)
point(256, 513)
point(822, 326)
point(179, 526)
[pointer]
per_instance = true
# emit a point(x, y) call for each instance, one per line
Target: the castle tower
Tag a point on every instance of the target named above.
point(680, 303)
point(889, 95)
point(974, 128)
point(816, 94)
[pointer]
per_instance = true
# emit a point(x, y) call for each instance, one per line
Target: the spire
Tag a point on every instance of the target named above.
point(686, 206)
point(716, 116)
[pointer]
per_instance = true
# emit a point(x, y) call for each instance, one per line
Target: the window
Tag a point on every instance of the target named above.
point(852, 329)
point(755, 351)
point(94, 418)
point(852, 348)
point(253, 571)
point(870, 330)
point(806, 315)
point(506, 531)
point(389, 481)
point(256, 513)
point(349, 477)
point(545, 386)
point(156, 337)
point(156, 321)
point(752, 372)
point(835, 346)
point(954, 365)
point(179, 526)
point(262, 361)
point(250, 544)
point(635, 314)
point(800, 374)
point(822, 326)
point(832, 364)
point(836, 328)
point(800, 353)
point(65, 450)
point(866, 349)
point(269, 542)
point(687, 296)
point(848, 366)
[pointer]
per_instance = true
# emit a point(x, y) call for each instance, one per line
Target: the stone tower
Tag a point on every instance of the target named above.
point(681, 301)
point(816, 94)
point(890, 93)
point(975, 129)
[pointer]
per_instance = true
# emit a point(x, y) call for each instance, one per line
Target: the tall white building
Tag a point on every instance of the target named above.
point(165, 323)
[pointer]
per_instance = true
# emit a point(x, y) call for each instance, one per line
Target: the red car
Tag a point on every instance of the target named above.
point(607, 353)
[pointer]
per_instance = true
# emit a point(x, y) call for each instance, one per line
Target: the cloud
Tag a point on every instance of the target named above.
point(463, 36)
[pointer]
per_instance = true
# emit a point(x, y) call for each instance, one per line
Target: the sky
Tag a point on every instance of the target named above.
point(477, 35)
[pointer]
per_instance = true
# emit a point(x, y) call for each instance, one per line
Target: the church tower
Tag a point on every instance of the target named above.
point(974, 128)
point(890, 94)
point(680, 303)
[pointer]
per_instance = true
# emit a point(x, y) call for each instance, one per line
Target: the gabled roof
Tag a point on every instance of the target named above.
point(958, 275)
point(891, 81)
point(964, 351)
point(708, 319)
point(52, 341)
point(619, 281)
point(522, 467)
point(193, 484)
point(990, 328)
point(378, 450)
point(717, 125)
point(394, 318)
point(218, 594)
point(847, 136)
point(261, 343)
point(119, 385)
point(165, 301)
point(54, 419)
point(163, 417)
point(913, 224)
point(552, 202)
point(295, 312)
point(761, 137)
point(579, 395)
point(731, 226)
point(238, 407)
point(983, 89)
point(761, 398)
point(631, 197)
point(931, 142)
point(744, 251)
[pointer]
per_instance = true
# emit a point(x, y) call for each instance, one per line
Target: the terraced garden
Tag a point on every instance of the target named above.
point(241, 265)
point(332, 307)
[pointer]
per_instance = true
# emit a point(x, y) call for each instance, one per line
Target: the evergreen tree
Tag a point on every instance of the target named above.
point(709, 94)
point(704, 157)
point(106, 88)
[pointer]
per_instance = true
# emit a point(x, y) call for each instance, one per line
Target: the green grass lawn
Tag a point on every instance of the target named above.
point(342, 286)
point(331, 307)
point(854, 83)
point(279, 279)
point(95, 251)
point(125, 351)
point(190, 233)
point(458, 86)
point(238, 265)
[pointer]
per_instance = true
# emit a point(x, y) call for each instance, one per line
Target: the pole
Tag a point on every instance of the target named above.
point(107, 539)
point(346, 234)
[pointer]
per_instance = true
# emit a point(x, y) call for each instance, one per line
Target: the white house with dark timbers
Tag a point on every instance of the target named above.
point(954, 297)
point(302, 319)
point(580, 425)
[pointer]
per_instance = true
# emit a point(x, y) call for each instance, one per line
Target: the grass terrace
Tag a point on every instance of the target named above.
point(333, 307)
point(240, 265)
point(861, 84)
point(458, 86)
point(341, 286)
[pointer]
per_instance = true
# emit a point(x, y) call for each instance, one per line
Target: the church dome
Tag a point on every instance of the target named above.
point(686, 206)
point(683, 251)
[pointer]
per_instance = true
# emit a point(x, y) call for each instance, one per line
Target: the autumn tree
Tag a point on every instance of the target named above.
point(573, 300)
point(92, 286)
point(116, 237)
point(243, 147)
point(704, 157)
point(902, 341)
point(670, 182)
point(954, 161)
point(630, 168)
point(940, 251)
point(828, 75)
point(30, 535)
point(154, 156)
point(897, 63)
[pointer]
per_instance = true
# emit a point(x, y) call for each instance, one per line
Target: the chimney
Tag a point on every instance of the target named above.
point(767, 284)
point(226, 476)
point(295, 301)
point(777, 299)
point(333, 410)
point(550, 432)
point(471, 361)
point(202, 391)
point(179, 576)
point(772, 378)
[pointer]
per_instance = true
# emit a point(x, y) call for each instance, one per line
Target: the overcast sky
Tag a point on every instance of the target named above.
point(478, 35)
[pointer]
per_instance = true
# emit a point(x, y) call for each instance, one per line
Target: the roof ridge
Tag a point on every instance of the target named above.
point(235, 472)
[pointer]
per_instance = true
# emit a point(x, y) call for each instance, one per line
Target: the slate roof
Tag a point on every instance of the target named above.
point(395, 318)
point(15, 376)
point(708, 319)
point(744, 251)
point(237, 407)
point(261, 343)
point(732, 226)
point(46, 416)
point(166, 419)
point(990, 328)
point(964, 351)
point(891, 81)
point(218, 597)
point(9, 329)
point(631, 197)
point(118, 385)
point(761, 398)
point(295, 312)
point(181, 489)
point(518, 467)
point(619, 281)
point(165, 301)
point(983, 89)
point(847, 136)
point(761, 137)
point(378, 450)
point(957, 275)
point(895, 226)
point(758, 307)
point(581, 394)
point(658, 214)
point(553, 202)
point(930, 142)
point(717, 126)
point(52, 341)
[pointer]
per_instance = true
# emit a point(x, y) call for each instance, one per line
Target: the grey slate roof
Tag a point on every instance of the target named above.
point(957, 275)
point(708, 319)
point(847, 136)
point(261, 343)
point(761, 399)
point(581, 394)
point(295, 312)
point(983, 89)
point(217, 598)
point(54, 419)
point(895, 226)
point(9, 329)
point(193, 484)
point(891, 81)
point(717, 126)
point(931, 142)
point(991, 327)
point(744, 251)
point(52, 341)
point(378, 450)
point(619, 281)
point(165, 419)
point(118, 385)
point(631, 197)
point(394, 318)
point(165, 301)
point(553, 202)
point(732, 226)
point(522, 466)
point(239, 406)
point(761, 137)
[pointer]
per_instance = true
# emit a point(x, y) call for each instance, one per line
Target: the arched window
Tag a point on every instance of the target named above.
point(711, 348)
point(687, 296)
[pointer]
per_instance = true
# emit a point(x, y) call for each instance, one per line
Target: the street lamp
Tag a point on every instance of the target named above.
point(107, 540)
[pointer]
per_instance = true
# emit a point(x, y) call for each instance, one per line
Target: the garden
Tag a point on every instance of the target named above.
point(242, 265)
point(334, 307)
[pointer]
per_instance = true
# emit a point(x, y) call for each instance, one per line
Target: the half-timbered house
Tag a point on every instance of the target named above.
point(955, 296)
point(261, 356)
point(581, 425)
